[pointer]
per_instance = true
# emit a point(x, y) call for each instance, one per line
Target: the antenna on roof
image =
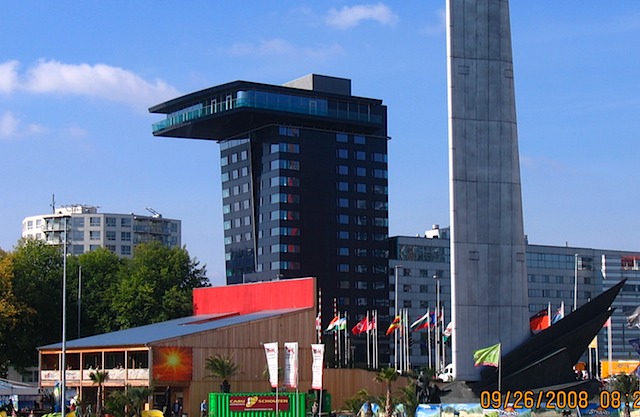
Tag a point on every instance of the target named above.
point(152, 211)
point(53, 204)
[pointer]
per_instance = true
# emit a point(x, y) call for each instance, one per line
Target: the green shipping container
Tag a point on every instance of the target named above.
point(257, 404)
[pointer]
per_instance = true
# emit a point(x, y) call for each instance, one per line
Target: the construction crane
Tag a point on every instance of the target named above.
point(155, 213)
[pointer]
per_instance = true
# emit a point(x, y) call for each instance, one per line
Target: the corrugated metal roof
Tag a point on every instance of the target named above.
point(145, 335)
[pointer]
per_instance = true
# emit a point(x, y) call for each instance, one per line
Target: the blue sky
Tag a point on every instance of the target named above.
point(77, 78)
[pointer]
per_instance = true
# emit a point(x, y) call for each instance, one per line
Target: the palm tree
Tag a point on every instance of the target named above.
point(624, 384)
point(387, 375)
point(99, 378)
point(137, 396)
point(222, 367)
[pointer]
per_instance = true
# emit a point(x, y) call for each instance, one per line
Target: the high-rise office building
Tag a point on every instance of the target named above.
point(87, 229)
point(304, 183)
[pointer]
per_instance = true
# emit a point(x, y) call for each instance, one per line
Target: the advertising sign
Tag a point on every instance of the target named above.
point(258, 403)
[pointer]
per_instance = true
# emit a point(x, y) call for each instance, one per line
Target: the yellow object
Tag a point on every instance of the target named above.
point(614, 367)
point(71, 414)
point(3, 413)
point(152, 413)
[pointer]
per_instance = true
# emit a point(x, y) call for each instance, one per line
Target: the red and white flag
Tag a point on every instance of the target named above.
point(317, 354)
point(291, 364)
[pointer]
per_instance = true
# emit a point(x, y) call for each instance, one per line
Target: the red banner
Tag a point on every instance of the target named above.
point(258, 403)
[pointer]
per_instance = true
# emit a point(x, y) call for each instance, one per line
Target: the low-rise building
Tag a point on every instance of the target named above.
point(87, 229)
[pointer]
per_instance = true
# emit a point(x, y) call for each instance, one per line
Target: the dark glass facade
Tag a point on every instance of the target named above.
point(304, 183)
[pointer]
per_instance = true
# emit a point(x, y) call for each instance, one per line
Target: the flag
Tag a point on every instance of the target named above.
point(319, 322)
point(636, 344)
point(333, 324)
point(342, 324)
point(421, 323)
point(291, 364)
point(633, 319)
point(559, 314)
point(594, 343)
point(317, 355)
point(448, 331)
point(394, 325)
point(539, 321)
point(489, 356)
point(373, 325)
point(271, 350)
point(361, 327)
point(607, 323)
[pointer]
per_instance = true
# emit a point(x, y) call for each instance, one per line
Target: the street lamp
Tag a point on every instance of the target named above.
point(395, 345)
point(63, 367)
point(436, 276)
point(575, 284)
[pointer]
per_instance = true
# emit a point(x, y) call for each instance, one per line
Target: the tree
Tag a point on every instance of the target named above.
point(387, 376)
point(625, 384)
point(99, 378)
point(223, 368)
point(37, 282)
point(10, 310)
point(155, 285)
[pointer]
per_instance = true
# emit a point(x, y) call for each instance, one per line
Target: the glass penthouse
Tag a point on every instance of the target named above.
point(304, 183)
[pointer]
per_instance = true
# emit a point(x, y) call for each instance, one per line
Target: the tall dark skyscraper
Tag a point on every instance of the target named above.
point(304, 183)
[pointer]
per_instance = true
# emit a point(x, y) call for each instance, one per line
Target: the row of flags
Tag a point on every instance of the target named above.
point(544, 319)
point(428, 320)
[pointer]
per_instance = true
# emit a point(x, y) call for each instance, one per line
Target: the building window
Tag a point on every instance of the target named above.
point(342, 138)
point(406, 303)
point(342, 154)
point(361, 269)
point(125, 236)
point(380, 189)
point(343, 219)
point(343, 235)
point(125, 222)
point(343, 267)
point(224, 161)
point(78, 249)
point(342, 186)
point(94, 235)
point(360, 155)
point(379, 157)
point(94, 221)
point(342, 170)
point(110, 221)
point(125, 250)
point(78, 221)
point(359, 140)
point(284, 198)
point(285, 182)
point(285, 147)
point(110, 235)
point(361, 235)
point(361, 204)
point(342, 251)
point(343, 202)
point(285, 164)
point(111, 248)
point(361, 188)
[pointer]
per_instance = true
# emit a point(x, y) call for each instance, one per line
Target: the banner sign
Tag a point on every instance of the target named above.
point(258, 403)
point(291, 364)
point(317, 353)
point(271, 350)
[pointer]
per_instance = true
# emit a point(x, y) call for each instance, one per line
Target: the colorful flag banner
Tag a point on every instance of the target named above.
point(317, 355)
point(319, 322)
point(448, 331)
point(421, 323)
point(291, 364)
point(559, 314)
point(361, 327)
point(636, 344)
point(395, 324)
point(333, 324)
point(539, 321)
point(489, 356)
point(271, 350)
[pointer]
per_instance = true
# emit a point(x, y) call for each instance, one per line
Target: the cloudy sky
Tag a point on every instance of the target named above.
point(77, 79)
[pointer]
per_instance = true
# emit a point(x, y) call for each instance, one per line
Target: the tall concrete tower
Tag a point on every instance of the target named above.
point(488, 270)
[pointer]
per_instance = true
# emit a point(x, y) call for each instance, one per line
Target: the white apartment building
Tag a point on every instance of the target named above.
point(88, 230)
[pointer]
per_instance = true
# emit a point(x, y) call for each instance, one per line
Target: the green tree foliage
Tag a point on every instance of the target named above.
point(221, 368)
point(99, 378)
point(624, 384)
point(37, 283)
point(155, 285)
point(127, 403)
point(387, 376)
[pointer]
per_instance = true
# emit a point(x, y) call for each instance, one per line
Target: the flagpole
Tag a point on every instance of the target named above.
point(429, 336)
point(408, 347)
point(368, 347)
point(319, 328)
point(444, 350)
point(609, 344)
point(500, 367)
point(376, 350)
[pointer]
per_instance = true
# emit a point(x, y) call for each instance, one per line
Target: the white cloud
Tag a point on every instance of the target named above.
point(11, 127)
point(281, 47)
point(436, 28)
point(349, 17)
point(98, 81)
point(8, 76)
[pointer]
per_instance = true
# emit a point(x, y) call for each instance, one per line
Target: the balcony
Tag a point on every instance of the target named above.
point(115, 375)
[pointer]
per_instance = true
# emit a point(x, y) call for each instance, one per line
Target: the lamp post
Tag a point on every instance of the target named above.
point(436, 276)
point(63, 367)
point(395, 343)
point(575, 283)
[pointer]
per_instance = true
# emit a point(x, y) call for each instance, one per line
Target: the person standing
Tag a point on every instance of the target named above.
point(203, 408)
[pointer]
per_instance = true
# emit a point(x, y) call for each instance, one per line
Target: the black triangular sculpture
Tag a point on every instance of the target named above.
point(547, 358)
